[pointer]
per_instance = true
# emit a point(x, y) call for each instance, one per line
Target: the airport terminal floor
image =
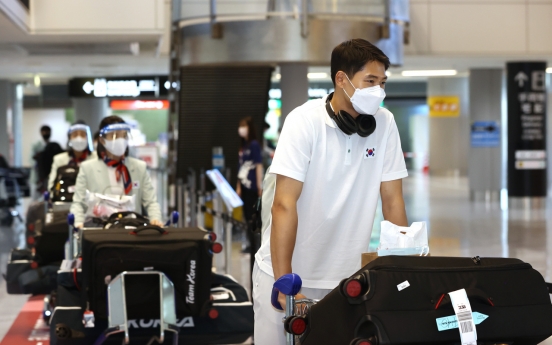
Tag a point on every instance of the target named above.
point(457, 227)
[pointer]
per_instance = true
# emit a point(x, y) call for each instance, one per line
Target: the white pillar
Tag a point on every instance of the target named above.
point(294, 84)
point(91, 111)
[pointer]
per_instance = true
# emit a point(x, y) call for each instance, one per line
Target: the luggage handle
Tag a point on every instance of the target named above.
point(477, 294)
point(124, 214)
point(149, 227)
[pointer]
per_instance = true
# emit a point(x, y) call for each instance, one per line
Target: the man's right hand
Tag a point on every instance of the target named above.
point(282, 299)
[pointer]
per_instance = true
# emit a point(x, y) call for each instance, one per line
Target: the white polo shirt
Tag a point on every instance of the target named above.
point(341, 178)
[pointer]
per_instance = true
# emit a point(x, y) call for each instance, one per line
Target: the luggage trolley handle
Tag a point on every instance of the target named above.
point(289, 285)
point(175, 216)
point(71, 223)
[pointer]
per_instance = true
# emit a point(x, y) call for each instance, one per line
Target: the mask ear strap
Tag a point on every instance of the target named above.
point(350, 82)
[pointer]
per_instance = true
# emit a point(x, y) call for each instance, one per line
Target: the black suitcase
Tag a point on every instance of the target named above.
point(510, 292)
point(50, 238)
point(21, 261)
point(35, 212)
point(184, 255)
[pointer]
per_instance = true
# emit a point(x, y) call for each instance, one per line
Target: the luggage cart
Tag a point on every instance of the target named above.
point(116, 296)
point(296, 311)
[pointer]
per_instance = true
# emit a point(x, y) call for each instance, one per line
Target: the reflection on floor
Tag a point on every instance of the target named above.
point(457, 227)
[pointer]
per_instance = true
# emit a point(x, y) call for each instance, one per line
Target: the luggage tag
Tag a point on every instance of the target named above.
point(88, 319)
point(451, 322)
point(463, 311)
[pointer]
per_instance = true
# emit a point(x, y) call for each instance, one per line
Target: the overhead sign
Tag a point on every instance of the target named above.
point(120, 87)
point(444, 106)
point(485, 134)
point(139, 105)
point(527, 129)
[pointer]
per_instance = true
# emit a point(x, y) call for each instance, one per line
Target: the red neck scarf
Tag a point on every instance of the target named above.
point(121, 170)
point(77, 161)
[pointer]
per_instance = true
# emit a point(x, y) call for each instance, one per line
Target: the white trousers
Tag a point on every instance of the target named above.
point(269, 328)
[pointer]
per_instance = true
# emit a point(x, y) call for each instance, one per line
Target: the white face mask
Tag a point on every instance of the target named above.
point(116, 147)
point(366, 101)
point(79, 144)
point(243, 131)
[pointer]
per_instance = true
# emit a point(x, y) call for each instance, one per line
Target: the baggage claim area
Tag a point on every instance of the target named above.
point(275, 172)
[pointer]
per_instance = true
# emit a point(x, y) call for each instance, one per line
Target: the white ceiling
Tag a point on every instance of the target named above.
point(17, 63)
point(64, 59)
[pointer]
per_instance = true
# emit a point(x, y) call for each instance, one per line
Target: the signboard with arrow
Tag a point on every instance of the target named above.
point(485, 134)
point(527, 129)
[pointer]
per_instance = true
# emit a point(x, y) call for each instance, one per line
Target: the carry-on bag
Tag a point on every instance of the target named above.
point(39, 280)
point(50, 238)
point(19, 263)
point(64, 184)
point(184, 255)
point(405, 300)
point(233, 323)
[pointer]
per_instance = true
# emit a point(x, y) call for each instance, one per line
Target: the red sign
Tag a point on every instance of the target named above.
point(139, 105)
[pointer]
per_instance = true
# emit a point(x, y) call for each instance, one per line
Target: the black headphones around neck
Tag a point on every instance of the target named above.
point(363, 125)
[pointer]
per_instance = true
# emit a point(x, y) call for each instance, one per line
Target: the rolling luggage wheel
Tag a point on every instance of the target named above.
point(358, 341)
point(295, 325)
point(63, 331)
point(354, 287)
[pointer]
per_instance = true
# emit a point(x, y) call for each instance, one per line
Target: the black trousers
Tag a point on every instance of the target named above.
point(249, 198)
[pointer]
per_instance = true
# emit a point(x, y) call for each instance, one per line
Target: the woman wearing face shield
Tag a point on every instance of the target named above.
point(115, 173)
point(80, 150)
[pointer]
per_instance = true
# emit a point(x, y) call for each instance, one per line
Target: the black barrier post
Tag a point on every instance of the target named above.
point(527, 157)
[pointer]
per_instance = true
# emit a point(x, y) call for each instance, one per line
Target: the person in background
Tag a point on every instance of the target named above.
point(45, 161)
point(36, 149)
point(250, 173)
point(114, 172)
point(79, 150)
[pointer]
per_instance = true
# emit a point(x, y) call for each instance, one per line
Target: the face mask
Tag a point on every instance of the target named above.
point(243, 131)
point(79, 144)
point(116, 147)
point(367, 100)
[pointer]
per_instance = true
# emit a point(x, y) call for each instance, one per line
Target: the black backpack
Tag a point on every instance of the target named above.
point(64, 185)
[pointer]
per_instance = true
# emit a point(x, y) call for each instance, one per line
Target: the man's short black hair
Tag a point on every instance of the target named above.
point(350, 56)
point(45, 128)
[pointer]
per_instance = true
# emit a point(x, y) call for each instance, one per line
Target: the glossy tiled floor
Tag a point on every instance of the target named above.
point(457, 227)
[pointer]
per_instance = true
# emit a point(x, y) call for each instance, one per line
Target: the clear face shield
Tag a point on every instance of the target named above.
point(116, 138)
point(80, 138)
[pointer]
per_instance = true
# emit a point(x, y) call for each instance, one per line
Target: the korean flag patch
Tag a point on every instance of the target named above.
point(370, 153)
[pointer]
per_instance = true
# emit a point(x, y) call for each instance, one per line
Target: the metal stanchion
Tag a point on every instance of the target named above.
point(180, 202)
point(228, 245)
point(218, 229)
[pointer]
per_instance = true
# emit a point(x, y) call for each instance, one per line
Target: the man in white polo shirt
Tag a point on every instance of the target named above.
point(335, 156)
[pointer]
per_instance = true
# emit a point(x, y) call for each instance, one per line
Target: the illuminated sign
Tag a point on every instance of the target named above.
point(444, 106)
point(139, 105)
point(120, 87)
